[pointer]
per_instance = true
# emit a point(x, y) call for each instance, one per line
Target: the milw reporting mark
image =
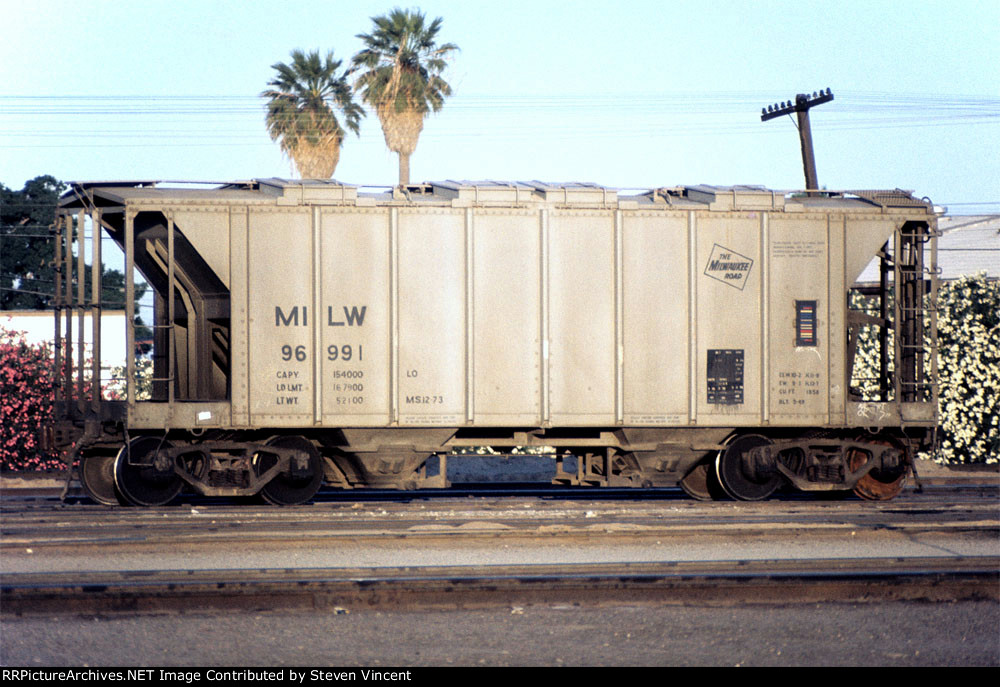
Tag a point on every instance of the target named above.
point(353, 316)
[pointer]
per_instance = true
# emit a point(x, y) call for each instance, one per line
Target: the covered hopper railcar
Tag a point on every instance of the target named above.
point(307, 331)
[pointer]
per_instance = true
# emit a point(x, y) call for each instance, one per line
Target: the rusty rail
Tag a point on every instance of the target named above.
point(738, 582)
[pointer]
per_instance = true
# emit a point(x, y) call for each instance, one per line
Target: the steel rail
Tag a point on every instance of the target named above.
point(736, 582)
point(214, 530)
point(930, 486)
point(51, 527)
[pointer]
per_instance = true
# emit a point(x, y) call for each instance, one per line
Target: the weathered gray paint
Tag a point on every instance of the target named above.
point(524, 305)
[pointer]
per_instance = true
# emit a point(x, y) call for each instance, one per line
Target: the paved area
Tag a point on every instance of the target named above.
point(895, 634)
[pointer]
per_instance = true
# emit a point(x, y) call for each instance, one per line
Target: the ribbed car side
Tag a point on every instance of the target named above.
point(308, 332)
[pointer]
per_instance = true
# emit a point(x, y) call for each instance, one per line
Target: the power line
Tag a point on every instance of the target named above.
point(854, 102)
point(978, 202)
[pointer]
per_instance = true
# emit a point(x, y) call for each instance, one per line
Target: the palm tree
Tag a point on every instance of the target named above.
point(301, 112)
point(401, 78)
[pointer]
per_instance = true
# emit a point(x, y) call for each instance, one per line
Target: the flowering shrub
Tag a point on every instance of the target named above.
point(115, 388)
point(27, 390)
point(968, 367)
point(28, 383)
point(865, 375)
point(969, 364)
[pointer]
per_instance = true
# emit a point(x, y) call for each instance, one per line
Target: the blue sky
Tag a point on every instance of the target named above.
point(633, 94)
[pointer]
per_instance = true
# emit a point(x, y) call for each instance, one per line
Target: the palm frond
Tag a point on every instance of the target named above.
point(401, 65)
point(398, 74)
point(302, 110)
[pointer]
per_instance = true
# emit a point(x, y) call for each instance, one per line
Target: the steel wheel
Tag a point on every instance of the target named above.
point(876, 485)
point(292, 487)
point(738, 481)
point(143, 477)
point(702, 484)
point(97, 476)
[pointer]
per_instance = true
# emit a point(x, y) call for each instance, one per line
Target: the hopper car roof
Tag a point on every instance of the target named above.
point(291, 192)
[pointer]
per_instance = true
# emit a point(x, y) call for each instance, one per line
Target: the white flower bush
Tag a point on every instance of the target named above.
point(968, 367)
point(865, 375)
point(969, 364)
point(115, 389)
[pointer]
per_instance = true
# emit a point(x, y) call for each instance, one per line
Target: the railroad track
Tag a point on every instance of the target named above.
point(32, 528)
point(951, 490)
point(49, 525)
point(955, 483)
point(210, 555)
point(737, 582)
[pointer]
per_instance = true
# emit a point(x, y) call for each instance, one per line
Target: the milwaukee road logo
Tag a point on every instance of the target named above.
point(729, 267)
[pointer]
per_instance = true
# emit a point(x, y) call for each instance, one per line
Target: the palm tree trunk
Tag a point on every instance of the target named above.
point(404, 169)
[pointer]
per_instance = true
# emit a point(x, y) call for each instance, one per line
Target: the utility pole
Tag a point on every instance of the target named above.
point(801, 107)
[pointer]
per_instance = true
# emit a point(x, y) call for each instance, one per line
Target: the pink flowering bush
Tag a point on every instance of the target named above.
point(28, 382)
point(27, 390)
